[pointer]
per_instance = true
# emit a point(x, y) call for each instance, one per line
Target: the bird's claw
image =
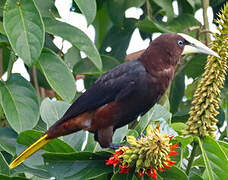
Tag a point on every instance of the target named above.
point(116, 146)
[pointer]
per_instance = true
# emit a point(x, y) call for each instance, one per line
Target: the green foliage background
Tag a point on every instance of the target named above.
point(27, 28)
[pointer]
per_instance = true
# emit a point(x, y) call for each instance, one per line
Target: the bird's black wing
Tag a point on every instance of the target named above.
point(116, 84)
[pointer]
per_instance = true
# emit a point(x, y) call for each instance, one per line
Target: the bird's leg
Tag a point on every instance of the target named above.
point(140, 136)
point(117, 146)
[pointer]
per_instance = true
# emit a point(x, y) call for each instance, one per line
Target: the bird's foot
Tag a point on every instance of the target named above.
point(116, 146)
point(140, 136)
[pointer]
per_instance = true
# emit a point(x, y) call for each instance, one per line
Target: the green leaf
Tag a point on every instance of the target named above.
point(11, 178)
point(76, 140)
point(194, 176)
point(119, 134)
point(118, 39)
point(88, 8)
point(216, 161)
point(123, 176)
point(36, 172)
point(166, 6)
point(24, 28)
point(178, 127)
point(8, 140)
point(117, 8)
point(184, 140)
point(195, 67)
point(87, 68)
point(176, 92)
point(6, 55)
point(30, 136)
point(157, 113)
point(49, 44)
point(52, 111)
point(4, 168)
point(4, 41)
point(57, 74)
point(19, 102)
point(173, 174)
point(76, 37)
point(75, 166)
point(102, 24)
point(176, 25)
point(47, 8)
point(72, 57)
point(91, 143)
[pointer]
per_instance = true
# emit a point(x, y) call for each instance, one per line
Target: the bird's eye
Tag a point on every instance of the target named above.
point(180, 43)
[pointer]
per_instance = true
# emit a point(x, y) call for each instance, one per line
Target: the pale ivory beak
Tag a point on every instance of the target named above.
point(196, 46)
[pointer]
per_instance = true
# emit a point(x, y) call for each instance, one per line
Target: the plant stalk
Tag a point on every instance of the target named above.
point(10, 66)
point(192, 156)
point(205, 4)
point(35, 81)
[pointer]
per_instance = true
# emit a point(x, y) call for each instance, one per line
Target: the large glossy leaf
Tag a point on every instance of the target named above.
point(123, 176)
point(4, 168)
point(19, 102)
point(52, 111)
point(176, 92)
point(117, 39)
point(166, 6)
point(215, 159)
point(72, 57)
point(47, 8)
point(8, 140)
point(30, 136)
point(75, 36)
point(76, 140)
point(87, 68)
point(157, 113)
point(178, 24)
point(57, 74)
point(119, 134)
point(117, 8)
point(91, 143)
point(24, 28)
point(102, 24)
point(76, 166)
point(38, 172)
point(196, 65)
point(88, 8)
point(173, 174)
point(11, 178)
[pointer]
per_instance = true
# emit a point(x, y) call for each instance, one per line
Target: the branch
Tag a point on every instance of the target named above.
point(192, 156)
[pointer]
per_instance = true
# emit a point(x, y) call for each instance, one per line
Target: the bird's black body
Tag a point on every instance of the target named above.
point(128, 86)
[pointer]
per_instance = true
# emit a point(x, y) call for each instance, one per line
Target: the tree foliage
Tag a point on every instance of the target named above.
point(27, 31)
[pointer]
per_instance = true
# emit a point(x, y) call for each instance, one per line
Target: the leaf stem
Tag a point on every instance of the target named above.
point(35, 81)
point(10, 66)
point(192, 156)
point(148, 9)
point(205, 4)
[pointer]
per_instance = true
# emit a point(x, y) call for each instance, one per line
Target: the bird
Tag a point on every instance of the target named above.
point(123, 93)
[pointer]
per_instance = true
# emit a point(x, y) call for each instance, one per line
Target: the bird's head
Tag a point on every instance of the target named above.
point(168, 48)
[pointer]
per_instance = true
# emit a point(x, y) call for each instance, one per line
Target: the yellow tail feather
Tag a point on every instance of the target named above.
point(30, 150)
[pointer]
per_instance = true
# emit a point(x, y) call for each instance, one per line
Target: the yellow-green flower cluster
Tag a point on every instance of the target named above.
point(150, 150)
point(147, 155)
point(202, 119)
